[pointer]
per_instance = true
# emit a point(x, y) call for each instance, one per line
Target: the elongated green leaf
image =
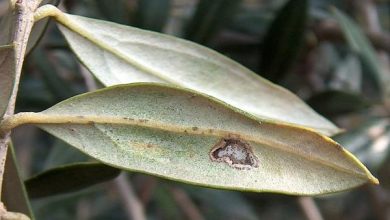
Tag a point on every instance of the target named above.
point(284, 38)
point(7, 76)
point(336, 102)
point(14, 194)
point(359, 43)
point(183, 135)
point(209, 18)
point(69, 178)
point(152, 14)
point(118, 54)
point(54, 82)
point(118, 12)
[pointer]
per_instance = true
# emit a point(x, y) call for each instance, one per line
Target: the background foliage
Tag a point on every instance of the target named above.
point(335, 59)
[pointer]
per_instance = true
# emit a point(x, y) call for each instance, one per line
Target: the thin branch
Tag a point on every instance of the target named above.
point(130, 202)
point(147, 189)
point(24, 21)
point(309, 208)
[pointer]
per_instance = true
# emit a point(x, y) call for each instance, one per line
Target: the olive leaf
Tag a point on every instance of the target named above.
point(152, 14)
point(14, 194)
point(209, 17)
point(69, 178)
point(183, 135)
point(284, 39)
point(118, 54)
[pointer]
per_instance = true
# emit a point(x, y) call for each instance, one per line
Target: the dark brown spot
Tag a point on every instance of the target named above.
point(194, 128)
point(236, 153)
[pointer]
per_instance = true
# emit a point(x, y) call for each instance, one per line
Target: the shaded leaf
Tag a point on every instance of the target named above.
point(209, 18)
point(251, 21)
point(359, 43)
point(132, 55)
point(69, 178)
point(117, 12)
point(283, 40)
point(152, 14)
point(7, 76)
point(55, 84)
point(14, 194)
point(335, 102)
point(182, 135)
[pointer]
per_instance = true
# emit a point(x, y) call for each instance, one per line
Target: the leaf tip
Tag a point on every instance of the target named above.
point(373, 180)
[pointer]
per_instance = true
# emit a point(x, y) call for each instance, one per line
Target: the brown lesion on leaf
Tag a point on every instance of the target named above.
point(235, 152)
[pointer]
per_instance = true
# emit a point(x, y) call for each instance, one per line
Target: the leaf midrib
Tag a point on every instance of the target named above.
point(95, 119)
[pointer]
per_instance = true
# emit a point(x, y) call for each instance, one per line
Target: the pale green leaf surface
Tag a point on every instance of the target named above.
point(169, 132)
point(118, 54)
point(7, 76)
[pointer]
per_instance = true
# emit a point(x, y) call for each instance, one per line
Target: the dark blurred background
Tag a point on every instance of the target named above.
point(333, 54)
